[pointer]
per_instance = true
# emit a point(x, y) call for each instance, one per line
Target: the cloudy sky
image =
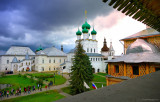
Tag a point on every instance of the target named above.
point(54, 22)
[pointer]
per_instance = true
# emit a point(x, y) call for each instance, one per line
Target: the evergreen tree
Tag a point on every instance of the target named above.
point(81, 71)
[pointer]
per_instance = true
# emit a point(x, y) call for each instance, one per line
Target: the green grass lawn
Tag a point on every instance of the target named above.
point(58, 78)
point(48, 96)
point(98, 81)
point(98, 78)
point(16, 81)
point(102, 74)
point(39, 74)
point(66, 90)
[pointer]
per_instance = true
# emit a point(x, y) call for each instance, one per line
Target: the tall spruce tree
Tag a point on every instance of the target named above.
point(81, 71)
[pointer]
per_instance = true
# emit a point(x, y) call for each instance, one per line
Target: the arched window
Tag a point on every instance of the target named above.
point(94, 50)
point(91, 50)
point(42, 60)
point(87, 49)
point(96, 59)
point(42, 68)
point(49, 69)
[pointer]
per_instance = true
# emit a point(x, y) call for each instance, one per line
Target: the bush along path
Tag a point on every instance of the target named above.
point(57, 87)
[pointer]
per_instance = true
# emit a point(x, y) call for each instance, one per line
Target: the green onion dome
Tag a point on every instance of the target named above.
point(85, 30)
point(78, 32)
point(86, 25)
point(40, 48)
point(93, 32)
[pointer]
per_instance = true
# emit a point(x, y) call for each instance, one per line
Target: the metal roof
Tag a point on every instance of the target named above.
point(72, 50)
point(27, 56)
point(143, 33)
point(19, 50)
point(40, 53)
point(142, 89)
point(138, 52)
point(138, 58)
point(141, 45)
point(52, 51)
point(120, 77)
point(94, 55)
point(15, 60)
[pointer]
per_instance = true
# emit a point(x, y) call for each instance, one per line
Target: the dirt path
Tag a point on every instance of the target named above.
point(58, 87)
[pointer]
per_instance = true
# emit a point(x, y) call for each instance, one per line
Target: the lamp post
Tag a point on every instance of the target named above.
point(54, 78)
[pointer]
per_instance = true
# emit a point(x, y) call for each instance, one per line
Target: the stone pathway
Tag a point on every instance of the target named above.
point(58, 87)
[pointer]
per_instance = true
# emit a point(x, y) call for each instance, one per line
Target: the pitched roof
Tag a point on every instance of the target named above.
point(14, 60)
point(139, 89)
point(144, 33)
point(94, 55)
point(41, 52)
point(138, 52)
point(19, 50)
point(52, 51)
point(141, 45)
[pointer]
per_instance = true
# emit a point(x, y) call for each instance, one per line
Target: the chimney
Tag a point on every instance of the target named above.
point(61, 47)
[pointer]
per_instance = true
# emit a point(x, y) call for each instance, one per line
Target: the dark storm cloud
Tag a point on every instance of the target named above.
point(38, 18)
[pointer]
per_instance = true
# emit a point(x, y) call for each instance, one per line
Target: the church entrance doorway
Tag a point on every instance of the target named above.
point(93, 70)
point(98, 70)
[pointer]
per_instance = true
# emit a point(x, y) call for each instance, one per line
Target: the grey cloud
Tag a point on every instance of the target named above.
point(38, 18)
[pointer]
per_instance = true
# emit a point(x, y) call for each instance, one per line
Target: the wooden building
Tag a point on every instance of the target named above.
point(141, 56)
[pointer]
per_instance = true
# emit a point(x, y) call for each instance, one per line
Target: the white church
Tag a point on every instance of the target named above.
point(21, 58)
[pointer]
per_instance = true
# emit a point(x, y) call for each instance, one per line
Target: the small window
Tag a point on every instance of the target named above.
point(54, 68)
point(42, 60)
point(87, 49)
point(54, 61)
point(135, 70)
point(91, 59)
point(49, 60)
point(7, 61)
point(117, 68)
point(59, 60)
point(96, 59)
point(49, 69)
point(91, 50)
point(94, 50)
point(6, 68)
point(42, 69)
point(26, 63)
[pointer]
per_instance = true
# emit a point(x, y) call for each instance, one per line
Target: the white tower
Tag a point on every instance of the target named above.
point(78, 33)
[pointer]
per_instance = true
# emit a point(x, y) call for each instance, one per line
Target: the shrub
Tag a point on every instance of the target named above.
point(25, 76)
point(19, 75)
point(40, 82)
point(3, 74)
point(32, 80)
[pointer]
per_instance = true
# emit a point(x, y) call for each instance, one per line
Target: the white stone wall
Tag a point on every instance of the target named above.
point(90, 46)
point(4, 63)
point(49, 64)
point(98, 63)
